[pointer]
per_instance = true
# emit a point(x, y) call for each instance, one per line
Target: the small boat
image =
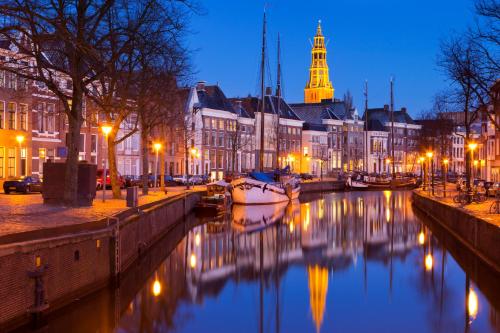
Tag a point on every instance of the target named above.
point(356, 183)
point(216, 201)
point(261, 188)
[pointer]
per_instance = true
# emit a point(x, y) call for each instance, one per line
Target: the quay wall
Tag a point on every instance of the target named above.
point(480, 236)
point(322, 186)
point(41, 275)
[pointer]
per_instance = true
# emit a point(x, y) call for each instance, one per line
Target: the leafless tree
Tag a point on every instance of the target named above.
point(78, 42)
point(348, 100)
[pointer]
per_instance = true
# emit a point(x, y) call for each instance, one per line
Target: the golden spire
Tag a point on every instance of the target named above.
point(318, 288)
point(319, 86)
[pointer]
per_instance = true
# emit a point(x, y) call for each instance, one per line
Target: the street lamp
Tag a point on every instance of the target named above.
point(20, 139)
point(106, 129)
point(429, 155)
point(472, 147)
point(445, 163)
point(157, 147)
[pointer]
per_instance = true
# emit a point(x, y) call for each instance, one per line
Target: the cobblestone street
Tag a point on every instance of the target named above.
point(26, 212)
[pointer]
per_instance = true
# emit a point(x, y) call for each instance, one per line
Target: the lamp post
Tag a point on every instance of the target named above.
point(157, 147)
point(429, 155)
point(445, 163)
point(421, 162)
point(20, 139)
point(105, 130)
point(472, 147)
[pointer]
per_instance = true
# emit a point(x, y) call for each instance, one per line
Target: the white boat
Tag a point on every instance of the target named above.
point(355, 184)
point(251, 191)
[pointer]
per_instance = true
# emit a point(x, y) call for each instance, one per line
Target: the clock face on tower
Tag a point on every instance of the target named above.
point(319, 86)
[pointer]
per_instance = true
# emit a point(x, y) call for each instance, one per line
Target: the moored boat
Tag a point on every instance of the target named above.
point(260, 188)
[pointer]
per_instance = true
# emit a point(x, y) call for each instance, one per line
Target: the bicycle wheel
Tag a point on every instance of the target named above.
point(464, 199)
point(494, 208)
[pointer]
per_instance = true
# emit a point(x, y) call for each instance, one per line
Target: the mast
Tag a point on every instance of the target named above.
point(262, 92)
point(278, 95)
point(367, 144)
point(392, 129)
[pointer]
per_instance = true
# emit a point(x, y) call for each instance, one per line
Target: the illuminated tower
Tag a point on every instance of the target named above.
point(319, 86)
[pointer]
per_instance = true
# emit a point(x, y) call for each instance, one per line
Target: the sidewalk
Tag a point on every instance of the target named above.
point(21, 213)
point(479, 210)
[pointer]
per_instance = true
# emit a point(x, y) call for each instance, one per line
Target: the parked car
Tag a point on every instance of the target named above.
point(306, 176)
point(196, 180)
point(180, 179)
point(25, 184)
point(99, 182)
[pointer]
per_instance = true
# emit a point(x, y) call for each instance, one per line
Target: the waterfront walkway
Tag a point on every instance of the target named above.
point(479, 210)
point(26, 212)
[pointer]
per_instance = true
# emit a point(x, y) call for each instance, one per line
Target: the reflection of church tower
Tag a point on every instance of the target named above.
point(319, 86)
point(318, 287)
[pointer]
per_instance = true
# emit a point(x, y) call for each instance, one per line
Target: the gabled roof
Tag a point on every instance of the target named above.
point(250, 105)
point(377, 117)
point(315, 113)
point(213, 97)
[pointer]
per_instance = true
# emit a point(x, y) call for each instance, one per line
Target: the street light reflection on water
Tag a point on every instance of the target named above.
point(282, 268)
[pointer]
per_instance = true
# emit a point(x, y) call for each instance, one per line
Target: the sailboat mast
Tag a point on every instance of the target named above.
point(262, 92)
point(392, 129)
point(278, 95)
point(367, 144)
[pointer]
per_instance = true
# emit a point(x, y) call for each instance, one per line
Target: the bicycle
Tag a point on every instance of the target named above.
point(495, 206)
point(462, 197)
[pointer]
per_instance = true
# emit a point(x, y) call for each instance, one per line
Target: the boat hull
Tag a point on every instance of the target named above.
point(248, 191)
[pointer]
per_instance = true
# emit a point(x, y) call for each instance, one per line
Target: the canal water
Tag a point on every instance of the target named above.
point(337, 262)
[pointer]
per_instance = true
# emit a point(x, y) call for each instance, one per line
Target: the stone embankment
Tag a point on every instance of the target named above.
point(322, 186)
point(478, 233)
point(39, 275)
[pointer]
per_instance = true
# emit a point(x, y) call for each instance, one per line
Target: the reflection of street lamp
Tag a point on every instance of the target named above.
point(421, 238)
point(192, 260)
point(157, 147)
point(472, 304)
point(429, 261)
point(105, 130)
point(445, 162)
point(156, 287)
point(20, 139)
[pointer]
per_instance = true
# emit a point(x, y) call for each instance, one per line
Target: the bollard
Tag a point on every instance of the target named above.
point(132, 197)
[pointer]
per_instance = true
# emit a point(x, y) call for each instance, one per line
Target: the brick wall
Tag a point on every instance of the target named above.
point(80, 263)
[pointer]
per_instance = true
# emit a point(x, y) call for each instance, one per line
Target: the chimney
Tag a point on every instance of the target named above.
point(269, 91)
point(403, 109)
point(386, 107)
point(200, 86)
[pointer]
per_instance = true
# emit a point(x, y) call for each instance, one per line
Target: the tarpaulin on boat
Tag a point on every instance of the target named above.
point(266, 177)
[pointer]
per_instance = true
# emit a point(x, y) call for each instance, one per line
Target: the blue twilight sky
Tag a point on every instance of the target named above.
point(368, 39)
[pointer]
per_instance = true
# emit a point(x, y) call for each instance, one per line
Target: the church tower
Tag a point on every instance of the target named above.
point(319, 86)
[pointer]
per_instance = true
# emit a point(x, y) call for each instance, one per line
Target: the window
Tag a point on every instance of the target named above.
point(221, 139)
point(23, 83)
point(81, 148)
point(2, 157)
point(23, 161)
point(93, 143)
point(11, 163)
point(40, 117)
point(51, 123)
point(2, 114)
point(2, 78)
point(11, 109)
point(23, 117)
point(10, 80)
point(221, 124)
point(50, 154)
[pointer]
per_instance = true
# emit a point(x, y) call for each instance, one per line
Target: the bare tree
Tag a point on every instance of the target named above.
point(348, 100)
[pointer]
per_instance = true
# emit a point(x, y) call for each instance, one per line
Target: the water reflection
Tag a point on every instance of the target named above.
point(335, 262)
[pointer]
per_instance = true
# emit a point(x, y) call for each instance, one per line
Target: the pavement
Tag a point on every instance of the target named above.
point(480, 210)
point(26, 212)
